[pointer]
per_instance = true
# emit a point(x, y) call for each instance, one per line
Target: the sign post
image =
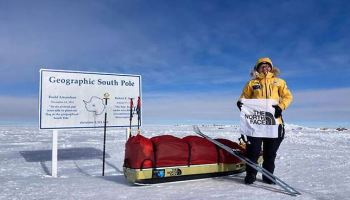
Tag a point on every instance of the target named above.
point(71, 100)
point(54, 153)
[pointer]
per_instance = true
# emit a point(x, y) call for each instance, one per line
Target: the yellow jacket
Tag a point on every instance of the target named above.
point(268, 87)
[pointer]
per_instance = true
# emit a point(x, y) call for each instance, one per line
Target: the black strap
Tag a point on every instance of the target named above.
point(242, 139)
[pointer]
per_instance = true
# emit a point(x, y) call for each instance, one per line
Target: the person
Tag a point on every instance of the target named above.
point(265, 84)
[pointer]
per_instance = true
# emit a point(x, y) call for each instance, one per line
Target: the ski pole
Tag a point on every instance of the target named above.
point(131, 114)
point(138, 111)
point(106, 95)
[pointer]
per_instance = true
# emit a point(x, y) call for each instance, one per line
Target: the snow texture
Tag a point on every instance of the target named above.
point(314, 161)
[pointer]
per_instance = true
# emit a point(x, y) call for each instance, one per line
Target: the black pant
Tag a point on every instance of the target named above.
point(270, 147)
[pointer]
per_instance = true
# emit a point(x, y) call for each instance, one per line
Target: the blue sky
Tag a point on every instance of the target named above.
point(194, 56)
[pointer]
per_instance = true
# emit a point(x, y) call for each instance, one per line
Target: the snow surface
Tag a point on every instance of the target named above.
point(314, 161)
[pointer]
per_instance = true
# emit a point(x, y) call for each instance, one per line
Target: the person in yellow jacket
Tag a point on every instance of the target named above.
point(265, 84)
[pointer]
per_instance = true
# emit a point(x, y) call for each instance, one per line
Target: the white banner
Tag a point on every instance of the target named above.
point(72, 99)
point(257, 118)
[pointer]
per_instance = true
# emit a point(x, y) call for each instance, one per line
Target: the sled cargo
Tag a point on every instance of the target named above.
point(167, 158)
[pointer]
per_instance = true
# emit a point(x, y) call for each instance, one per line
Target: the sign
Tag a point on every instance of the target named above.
point(74, 99)
point(257, 118)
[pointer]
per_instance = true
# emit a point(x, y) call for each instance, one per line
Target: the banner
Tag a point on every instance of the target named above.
point(257, 118)
point(74, 99)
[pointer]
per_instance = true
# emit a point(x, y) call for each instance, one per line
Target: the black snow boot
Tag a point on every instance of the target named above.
point(268, 181)
point(249, 179)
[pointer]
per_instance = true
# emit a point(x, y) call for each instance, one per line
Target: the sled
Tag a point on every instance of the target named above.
point(167, 158)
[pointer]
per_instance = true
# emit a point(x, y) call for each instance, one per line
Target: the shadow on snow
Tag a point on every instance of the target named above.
point(85, 153)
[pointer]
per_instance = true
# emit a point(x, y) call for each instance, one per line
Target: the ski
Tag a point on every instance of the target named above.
point(257, 167)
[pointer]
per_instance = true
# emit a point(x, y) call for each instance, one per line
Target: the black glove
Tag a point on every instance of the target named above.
point(278, 111)
point(239, 105)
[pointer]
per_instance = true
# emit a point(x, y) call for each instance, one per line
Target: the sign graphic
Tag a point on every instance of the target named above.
point(257, 118)
point(260, 118)
point(95, 105)
point(73, 99)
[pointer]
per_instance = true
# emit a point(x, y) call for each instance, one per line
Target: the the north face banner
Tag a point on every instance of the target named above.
point(257, 118)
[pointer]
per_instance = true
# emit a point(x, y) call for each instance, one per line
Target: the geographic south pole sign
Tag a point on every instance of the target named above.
point(74, 99)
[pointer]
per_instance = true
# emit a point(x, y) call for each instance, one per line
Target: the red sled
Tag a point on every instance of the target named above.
point(168, 158)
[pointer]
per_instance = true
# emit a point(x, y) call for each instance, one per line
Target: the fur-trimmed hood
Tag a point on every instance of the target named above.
point(255, 74)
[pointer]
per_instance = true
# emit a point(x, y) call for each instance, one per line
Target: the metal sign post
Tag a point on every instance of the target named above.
point(106, 96)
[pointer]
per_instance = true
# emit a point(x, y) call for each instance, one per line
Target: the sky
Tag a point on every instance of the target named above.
point(194, 56)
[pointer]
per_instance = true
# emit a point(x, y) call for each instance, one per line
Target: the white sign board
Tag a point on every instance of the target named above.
point(74, 99)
